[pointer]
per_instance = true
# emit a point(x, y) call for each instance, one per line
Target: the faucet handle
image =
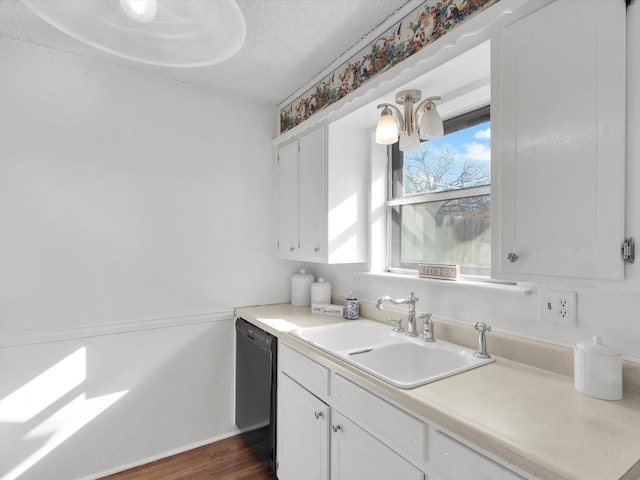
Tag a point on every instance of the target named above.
point(398, 322)
point(427, 327)
point(482, 328)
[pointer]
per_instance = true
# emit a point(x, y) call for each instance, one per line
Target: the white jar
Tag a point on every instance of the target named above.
point(301, 289)
point(321, 292)
point(597, 370)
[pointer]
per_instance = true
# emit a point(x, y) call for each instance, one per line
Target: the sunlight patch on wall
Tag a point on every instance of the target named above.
point(62, 425)
point(343, 217)
point(32, 398)
point(43, 392)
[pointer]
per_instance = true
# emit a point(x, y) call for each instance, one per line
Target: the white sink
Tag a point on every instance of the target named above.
point(344, 337)
point(404, 362)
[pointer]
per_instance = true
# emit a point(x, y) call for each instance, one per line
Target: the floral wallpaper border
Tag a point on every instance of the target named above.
point(422, 26)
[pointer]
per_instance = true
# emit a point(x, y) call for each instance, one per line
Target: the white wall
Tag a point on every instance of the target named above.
point(609, 309)
point(135, 215)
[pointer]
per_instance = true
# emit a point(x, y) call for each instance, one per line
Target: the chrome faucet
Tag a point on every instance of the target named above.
point(411, 301)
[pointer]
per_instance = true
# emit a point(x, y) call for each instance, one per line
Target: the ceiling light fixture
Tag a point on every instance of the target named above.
point(167, 33)
point(142, 11)
point(430, 125)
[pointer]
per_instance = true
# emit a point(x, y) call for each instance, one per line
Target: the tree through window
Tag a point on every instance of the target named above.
point(440, 198)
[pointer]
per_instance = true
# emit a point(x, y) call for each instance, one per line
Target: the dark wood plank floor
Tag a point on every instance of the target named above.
point(229, 459)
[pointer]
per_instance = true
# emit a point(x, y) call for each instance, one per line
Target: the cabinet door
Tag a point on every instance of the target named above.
point(558, 143)
point(288, 201)
point(356, 455)
point(455, 461)
point(311, 196)
point(302, 433)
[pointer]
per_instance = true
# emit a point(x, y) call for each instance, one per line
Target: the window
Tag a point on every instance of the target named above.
point(440, 199)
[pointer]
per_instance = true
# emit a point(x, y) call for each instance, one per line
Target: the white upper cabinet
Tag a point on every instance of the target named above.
point(288, 200)
point(322, 196)
point(558, 143)
point(311, 195)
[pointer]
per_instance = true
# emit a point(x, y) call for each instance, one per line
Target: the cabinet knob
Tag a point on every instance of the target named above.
point(318, 415)
point(291, 249)
point(316, 249)
point(336, 428)
point(512, 257)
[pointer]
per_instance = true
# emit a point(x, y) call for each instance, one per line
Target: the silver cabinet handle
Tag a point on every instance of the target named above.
point(318, 415)
point(512, 257)
point(336, 428)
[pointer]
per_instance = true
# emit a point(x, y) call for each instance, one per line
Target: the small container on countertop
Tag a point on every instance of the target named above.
point(301, 289)
point(351, 307)
point(598, 370)
point(320, 292)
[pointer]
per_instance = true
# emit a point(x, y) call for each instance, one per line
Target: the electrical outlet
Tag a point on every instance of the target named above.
point(557, 306)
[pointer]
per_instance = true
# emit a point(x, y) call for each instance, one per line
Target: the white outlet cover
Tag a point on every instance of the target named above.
point(557, 306)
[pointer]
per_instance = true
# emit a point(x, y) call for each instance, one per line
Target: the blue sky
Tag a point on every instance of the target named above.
point(473, 143)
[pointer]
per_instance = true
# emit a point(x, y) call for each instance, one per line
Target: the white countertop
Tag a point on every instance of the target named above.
point(529, 417)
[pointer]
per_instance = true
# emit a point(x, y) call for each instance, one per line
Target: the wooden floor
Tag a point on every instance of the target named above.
point(229, 459)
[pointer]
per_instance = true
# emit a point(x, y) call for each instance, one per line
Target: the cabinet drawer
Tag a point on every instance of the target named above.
point(396, 428)
point(456, 461)
point(311, 375)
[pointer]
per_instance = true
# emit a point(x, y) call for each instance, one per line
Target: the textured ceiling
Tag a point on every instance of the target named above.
point(288, 43)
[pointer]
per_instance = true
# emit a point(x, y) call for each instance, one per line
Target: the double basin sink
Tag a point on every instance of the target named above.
point(402, 361)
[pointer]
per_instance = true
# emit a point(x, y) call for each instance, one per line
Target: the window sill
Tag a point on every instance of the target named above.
point(520, 288)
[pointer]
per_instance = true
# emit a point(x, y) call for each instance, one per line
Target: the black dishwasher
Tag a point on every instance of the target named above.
point(256, 374)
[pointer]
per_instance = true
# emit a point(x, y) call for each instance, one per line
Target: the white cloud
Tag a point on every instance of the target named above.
point(483, 134)
point(477, 152)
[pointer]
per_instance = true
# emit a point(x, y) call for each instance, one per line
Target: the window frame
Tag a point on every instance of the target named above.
point(459, 122)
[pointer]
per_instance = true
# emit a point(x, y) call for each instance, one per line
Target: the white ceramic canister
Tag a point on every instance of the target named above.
point(321, 292)
point(597, 370)
point(301, 289)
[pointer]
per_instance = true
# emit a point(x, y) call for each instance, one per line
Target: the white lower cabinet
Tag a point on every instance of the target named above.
point(302, 433)
point(455, 461)
point(330, 427)
point(357, 455)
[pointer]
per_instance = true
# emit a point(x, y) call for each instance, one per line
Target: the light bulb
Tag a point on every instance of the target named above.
point(387, 129)
point(431, 124)
point(142, 11)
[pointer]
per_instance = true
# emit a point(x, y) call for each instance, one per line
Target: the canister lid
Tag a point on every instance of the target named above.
point(597, 347)
point(303, 274)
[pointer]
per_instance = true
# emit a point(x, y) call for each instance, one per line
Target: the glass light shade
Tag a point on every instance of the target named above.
point(431, 124)
point(409, 143)
point(142, 11)
point(387, 129)
point(194, 33)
